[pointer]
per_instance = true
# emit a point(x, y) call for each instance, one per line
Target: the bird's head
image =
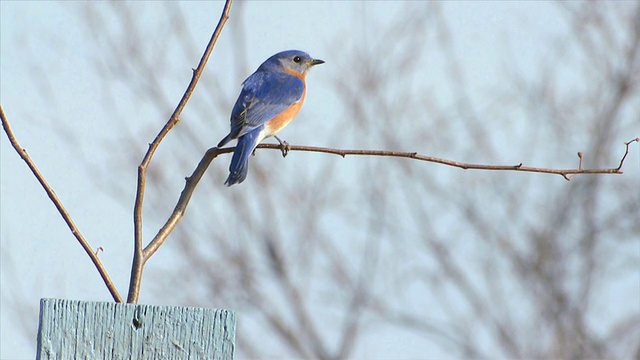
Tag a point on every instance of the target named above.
point(291, 61)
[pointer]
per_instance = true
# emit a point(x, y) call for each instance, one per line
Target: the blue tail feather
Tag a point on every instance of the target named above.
point(239, 166)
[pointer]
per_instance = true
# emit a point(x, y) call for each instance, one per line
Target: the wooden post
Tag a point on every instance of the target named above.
point(71, 329)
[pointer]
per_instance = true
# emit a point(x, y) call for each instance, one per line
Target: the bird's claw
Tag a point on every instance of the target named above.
point(284, 146)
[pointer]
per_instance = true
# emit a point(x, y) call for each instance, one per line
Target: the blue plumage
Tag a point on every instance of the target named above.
point(272, 90)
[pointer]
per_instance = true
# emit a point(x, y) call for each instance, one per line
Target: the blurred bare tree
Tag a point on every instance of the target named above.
point(335, 254)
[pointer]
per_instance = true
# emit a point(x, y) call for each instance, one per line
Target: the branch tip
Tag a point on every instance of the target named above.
point(626, 152)
point(580, 156)
point(632, 140)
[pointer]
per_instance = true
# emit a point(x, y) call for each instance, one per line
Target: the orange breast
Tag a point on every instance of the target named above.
point(279, 122)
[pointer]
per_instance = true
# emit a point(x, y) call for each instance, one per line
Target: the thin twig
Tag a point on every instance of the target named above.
point(580, 157)
point(139, 258)
point(58, 203)
point(466, 166)
point(626, 147)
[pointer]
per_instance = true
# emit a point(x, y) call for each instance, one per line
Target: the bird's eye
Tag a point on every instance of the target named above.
point(297, 59)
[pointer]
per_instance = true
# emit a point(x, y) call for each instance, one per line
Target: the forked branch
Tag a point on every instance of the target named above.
point(139, 258)
point(212, 153)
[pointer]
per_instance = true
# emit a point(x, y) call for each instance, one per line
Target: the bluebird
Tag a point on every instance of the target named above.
point(270, 98)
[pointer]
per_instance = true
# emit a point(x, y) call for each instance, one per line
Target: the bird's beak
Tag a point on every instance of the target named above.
point(315, 62)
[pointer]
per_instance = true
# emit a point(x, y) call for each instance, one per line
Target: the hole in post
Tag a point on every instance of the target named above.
point(137, 323)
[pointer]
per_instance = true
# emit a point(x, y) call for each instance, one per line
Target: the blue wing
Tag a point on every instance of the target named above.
point(264, 95)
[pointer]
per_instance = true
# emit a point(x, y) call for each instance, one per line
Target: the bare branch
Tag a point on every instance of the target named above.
point(466, 166)
point(58, 203)
point(138, 256)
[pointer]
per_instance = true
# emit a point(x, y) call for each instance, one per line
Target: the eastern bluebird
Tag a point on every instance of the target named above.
point(270, 98)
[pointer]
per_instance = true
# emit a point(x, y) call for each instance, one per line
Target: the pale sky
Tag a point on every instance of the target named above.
point(47, 40)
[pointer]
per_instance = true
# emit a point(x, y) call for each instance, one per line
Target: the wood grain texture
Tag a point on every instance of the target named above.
point(71, 329)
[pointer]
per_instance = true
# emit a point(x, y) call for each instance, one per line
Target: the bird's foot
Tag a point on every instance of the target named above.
point(284, 146)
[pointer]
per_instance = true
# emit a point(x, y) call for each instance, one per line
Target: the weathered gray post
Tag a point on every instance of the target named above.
point(72, 329)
